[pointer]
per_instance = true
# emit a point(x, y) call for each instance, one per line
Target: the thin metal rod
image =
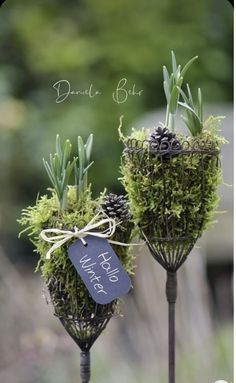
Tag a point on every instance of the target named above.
point(85, 366)
point(171, 295)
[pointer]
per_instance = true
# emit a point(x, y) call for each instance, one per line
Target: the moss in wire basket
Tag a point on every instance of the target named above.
point(68, 206)
point(176, 201)
point(45, 214)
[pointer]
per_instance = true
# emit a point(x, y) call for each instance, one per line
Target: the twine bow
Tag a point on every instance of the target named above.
point(62, 236)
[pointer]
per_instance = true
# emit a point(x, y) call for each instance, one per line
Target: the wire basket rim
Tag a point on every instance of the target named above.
point(186, 147)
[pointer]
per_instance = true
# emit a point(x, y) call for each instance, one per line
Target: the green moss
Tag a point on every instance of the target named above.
point(177, 197)
point(68, 292)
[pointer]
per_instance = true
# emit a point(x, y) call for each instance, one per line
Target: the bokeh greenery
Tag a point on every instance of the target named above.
point(96, 42)
point(99, 42)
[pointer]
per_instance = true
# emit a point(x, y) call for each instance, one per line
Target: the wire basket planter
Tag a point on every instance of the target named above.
point(83, 328)
point(172, 184)
point(76, 270)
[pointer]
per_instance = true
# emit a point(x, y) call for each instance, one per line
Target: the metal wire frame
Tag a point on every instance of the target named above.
point(169, 239)
point(85, 326)
point(84, 331)
point(86, 323)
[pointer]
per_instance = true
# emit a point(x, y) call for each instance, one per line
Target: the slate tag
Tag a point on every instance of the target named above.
point(100, 269)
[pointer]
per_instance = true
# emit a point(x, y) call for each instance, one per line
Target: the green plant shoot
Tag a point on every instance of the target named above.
point(81, 171)
point(59, 168)
point(172, 84)
point(194, 113)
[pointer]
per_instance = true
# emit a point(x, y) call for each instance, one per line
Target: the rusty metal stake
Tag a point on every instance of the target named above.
point(85, 366)
point(171, 295)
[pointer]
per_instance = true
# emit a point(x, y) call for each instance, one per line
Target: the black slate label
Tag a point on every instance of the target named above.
point(100, 269)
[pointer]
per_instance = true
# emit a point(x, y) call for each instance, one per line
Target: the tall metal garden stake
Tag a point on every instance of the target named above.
point(85, 366)
point(171, 295)
point(169, 239)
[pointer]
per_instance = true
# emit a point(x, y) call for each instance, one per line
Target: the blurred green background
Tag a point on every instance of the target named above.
point(93, 42)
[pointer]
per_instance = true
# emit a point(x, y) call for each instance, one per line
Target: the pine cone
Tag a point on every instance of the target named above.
point(116, 206)
point(163, 140)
